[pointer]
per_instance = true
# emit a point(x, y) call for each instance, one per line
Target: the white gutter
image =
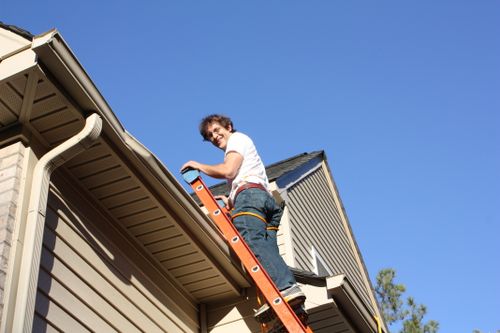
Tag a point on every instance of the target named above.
point(32, 242)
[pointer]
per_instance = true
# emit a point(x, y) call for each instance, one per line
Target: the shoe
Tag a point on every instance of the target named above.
point(293, 296)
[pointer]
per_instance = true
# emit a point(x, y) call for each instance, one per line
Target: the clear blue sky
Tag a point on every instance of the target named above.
point(403, 96)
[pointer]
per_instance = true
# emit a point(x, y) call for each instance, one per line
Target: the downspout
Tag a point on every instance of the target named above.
point(35, 221)
point(202, 308)
point(379, 325)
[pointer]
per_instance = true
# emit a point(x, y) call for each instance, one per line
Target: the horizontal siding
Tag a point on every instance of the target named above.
point(238, 317)
point(11, 173)
point(327, 319)
point(147, 219)
point(86, 284)
point(41, 325)
point(50, 313)
point(234, 316)
point(315, 221)
point(281, 244)
point(87, 316)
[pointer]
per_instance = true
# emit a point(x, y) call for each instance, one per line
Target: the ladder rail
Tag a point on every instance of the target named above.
point(258, 274)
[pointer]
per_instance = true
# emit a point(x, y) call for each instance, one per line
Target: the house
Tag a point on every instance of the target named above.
point(96, 234)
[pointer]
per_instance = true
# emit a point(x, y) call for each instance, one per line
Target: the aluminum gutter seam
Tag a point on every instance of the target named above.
point(53, 45)
point(35, 221)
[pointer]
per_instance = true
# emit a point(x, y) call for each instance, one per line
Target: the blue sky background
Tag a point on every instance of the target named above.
point(403, 96)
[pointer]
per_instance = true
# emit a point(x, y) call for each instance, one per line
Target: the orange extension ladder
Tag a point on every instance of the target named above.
point(264, 283)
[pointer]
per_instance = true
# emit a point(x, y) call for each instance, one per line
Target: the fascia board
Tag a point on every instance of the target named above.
point(23, 60)
point(56, 57)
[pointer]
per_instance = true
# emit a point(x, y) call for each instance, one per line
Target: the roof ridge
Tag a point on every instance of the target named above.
point(317, 152)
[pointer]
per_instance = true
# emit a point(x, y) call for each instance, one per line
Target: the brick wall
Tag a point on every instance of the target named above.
point(11, 158)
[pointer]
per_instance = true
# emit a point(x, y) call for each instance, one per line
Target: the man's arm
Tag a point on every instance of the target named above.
point(227, 170)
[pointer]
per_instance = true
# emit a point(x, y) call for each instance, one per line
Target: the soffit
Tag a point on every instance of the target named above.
point(151, 220)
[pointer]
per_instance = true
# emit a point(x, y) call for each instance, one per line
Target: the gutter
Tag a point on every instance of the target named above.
point(33, 236)
point(54, 54)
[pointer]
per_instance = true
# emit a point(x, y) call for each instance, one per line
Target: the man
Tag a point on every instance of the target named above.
point(255, 213)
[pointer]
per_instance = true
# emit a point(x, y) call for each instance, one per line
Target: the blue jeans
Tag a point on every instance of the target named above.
point(261, 241)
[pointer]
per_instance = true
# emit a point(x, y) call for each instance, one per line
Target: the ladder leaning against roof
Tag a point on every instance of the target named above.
point(264, 283)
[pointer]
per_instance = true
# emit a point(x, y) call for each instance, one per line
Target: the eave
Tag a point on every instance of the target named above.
point(351, 305)
point(48, 95)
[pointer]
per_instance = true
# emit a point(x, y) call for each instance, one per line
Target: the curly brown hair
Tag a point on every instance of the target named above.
point(224, 121)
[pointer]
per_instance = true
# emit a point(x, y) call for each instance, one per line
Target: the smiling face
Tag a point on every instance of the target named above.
point(218, 134)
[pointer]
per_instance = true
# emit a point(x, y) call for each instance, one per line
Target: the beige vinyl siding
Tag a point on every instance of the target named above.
point(150, 220)
point(315, 221)
point(283, 239)
point(238, 317)
point(11, 163)
point(233, 315)
point(327, 319)
point(86, 283)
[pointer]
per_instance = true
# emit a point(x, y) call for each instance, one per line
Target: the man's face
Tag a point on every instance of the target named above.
point(218, 135)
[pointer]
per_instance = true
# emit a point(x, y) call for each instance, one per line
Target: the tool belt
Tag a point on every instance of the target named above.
point(247, 186)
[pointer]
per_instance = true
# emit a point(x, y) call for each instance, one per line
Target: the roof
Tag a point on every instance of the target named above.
point(21, 32)
point(275, 170)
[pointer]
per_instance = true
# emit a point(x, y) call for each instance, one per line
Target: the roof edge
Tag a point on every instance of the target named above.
point(56, 56)
point(17, 30)
point(351, 305)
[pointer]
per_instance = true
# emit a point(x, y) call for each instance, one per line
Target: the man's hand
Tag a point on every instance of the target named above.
point(191, 165)
point(224, 199)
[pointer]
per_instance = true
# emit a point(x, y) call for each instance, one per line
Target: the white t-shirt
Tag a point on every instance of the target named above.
point(252, 169)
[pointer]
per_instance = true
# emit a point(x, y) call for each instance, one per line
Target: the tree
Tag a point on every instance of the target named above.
point(395, 310)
